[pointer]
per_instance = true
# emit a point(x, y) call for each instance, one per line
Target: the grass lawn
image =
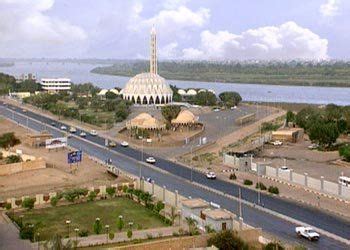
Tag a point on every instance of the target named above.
point(83, 215)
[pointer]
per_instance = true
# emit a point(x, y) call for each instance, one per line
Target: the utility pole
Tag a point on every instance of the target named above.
point(240, 202)
point(191, 165)
point(259, 186)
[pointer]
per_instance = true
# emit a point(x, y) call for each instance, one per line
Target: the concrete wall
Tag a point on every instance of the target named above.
point(22, 166)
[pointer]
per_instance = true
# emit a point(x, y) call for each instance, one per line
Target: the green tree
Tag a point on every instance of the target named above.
point(121, 111)
point(173, 215)
point(159, 206)
point(13, 159)
point(129, 233)
point(274, 246)
point(120, 223)
point(344, 151)
point(170, 112)
point(111, 95)
point(192, 225)
point(92, 196)
point(28, 203)
point(290, 117)
point(111, 191)
point(97, 227)
point(227, 240)
point(54, 200)
point(323, 133)
point(8, 140)
point(205, 98)
point(230, 98)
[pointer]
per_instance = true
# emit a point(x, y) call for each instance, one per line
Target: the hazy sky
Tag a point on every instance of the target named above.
point(187, 29)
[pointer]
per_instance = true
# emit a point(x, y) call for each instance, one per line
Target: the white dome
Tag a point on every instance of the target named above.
point(191, 92)
point(181, 92)
point(102, 92)
point(147, 88)
point(202, 90)
point(115, 91)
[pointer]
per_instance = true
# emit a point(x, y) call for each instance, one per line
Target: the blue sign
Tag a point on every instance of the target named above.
point(75, 156)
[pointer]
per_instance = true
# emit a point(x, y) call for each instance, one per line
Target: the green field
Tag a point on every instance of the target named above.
point(82, 216)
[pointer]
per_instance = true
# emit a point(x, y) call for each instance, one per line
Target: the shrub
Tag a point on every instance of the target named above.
point(28, 203)
point(274, 246)
point(8, 206)
point(248, 182)
point(344, 152)
point(13, 159)
point(27, 232)
point(227, 240)
point(268, 126)
point(120, 223)
point(110, 191)
point(84, 233)
point(92, 195)
point(149, 236)
point(97, 226)
point(260, 186)
point(54, 200)
point(233, 176)
point(159, 206)
point(111, 235)
point(273, 190)
point(129, 233)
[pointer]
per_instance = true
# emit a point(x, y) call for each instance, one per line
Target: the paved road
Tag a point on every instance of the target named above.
point(254, 217)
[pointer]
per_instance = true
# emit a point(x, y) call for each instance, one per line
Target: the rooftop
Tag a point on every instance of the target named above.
point(218, 214)
point(195, 203)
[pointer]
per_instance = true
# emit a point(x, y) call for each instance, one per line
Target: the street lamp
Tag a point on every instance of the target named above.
point(131, 224)
point(68, 224)
point(191, 164)
point(38, 240)
point(76, 234)
point(107, 229)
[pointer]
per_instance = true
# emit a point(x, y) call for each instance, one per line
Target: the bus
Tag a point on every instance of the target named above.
point(344, 181)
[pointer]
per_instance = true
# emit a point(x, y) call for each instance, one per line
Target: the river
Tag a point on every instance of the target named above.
point(80, 73)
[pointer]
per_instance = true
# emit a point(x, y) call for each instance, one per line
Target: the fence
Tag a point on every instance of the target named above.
point(321, 185)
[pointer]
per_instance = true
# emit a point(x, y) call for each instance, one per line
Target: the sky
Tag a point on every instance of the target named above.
point(186, 29)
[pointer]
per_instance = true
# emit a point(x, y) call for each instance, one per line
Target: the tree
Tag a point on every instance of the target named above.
point(146, 198)
point(205, 98)
point(170, 112)
point(28, 203)
point(230, 98)
point(92, 195)
point(13, 159)
point(344, 151)
point(54, 200)
point(121, 111)
point(110, 191)
point(192, 225)
point(8, 140)
point(120, 223)
point(227, 240)
point(324, 134)
point(274, 246)
point(290, 117)
point(173, 215)
point(159, 206)
point(111, 95)
point(97, 226)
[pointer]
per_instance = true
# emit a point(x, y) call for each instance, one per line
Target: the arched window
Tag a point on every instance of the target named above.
point(151, 101)
point(138, 100)
point(144, 101)
point(157, 100)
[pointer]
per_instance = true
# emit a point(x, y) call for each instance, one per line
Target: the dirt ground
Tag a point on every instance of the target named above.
point(302, 160)
point(58, 174)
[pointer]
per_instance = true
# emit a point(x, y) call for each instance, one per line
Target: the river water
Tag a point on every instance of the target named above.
point(80, 73)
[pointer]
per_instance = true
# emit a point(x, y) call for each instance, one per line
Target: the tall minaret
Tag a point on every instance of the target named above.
point(153, 58)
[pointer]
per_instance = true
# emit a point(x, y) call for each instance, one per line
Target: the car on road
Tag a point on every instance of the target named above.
point(82, 134)
point(285, 168)
point(151, 160)
point(72, 130)
point(124, 143)
point(63, 127)
point(313, 146)
point(93, 132)
point(149, 179)
point(211, 175)
point(277, 143)
point(53, 124)
point(216, 110)
point(233, 107)
point(112, 144)
point(307, 232)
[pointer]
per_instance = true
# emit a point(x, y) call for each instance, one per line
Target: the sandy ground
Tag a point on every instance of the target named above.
point(58, 174)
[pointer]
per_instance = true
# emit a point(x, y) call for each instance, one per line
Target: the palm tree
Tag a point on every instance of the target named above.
point(192, 225)
point(147, 198)
point(173, 215)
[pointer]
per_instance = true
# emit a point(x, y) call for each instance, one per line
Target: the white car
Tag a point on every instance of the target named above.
point(211, 175)
point(285, 168)
point(72, 130)
point(112, 144)
point(216, 110)
point(93, 132)
point(124, 143)
point(63, 127)
point(151, 160)
point(277, 143)
point(313, 146)
point(234, 107)
point(82, 134)
point(307, 232)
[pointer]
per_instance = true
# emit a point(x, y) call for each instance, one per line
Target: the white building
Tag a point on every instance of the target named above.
point(55, 84)
point(148, 88)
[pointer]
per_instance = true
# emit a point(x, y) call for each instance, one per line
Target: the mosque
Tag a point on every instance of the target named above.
point(148, 88)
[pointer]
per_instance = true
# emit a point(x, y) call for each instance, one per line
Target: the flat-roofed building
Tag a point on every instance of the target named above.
point(218, 219)
point(288, 135)
point(193, 207)
point(55, 84)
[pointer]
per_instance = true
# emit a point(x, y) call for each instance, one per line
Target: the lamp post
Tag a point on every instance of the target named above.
point(259, 185)
point(191, 164)
point(76, 234)
point(38, 240)
point(68, 224)
point(107, 229)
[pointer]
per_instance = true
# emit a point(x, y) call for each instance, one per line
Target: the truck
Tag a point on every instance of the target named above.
point(307, 232)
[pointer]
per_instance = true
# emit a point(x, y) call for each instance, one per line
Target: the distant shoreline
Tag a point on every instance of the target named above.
point(272, 82)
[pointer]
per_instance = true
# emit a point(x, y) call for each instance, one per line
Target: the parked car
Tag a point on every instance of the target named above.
point(313, 146)
point(211, 175)
point(53, 124)
point(93, 132)
point(72, 130)
point(124, 143)
point(234, 107)
point(307, 232)
point(216, 110)
point(285, 168)
point(63, 127)
point(112, 144)
point(149, 179)
point(277, 143)
point(151, 160)
point(82, 134)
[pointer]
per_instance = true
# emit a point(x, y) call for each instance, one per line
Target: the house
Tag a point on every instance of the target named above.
point(288, 135)
point(218, 219)
point(193, 207)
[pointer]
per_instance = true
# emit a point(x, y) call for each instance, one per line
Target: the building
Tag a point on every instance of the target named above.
point(26, 77)
point(55, 84)
point(218, 219)
point(185, 117)
point(148, 88)
point(19, 95)
point(288, 135)
point(193, 207)
point(145, 121)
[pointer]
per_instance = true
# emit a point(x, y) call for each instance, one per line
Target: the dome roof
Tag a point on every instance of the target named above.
point(181, 92)
point(147, 84)
point(102, 92)
point(185, 117)
point(145, 121)
point(191, 92)
point(115, 91)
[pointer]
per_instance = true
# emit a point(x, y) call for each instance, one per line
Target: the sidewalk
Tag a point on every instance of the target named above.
point(101, 239)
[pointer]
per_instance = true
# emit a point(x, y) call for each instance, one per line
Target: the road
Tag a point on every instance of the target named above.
point(178, 180)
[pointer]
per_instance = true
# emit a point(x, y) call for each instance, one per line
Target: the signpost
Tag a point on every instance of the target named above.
point(75, 157)
point(60, 142)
